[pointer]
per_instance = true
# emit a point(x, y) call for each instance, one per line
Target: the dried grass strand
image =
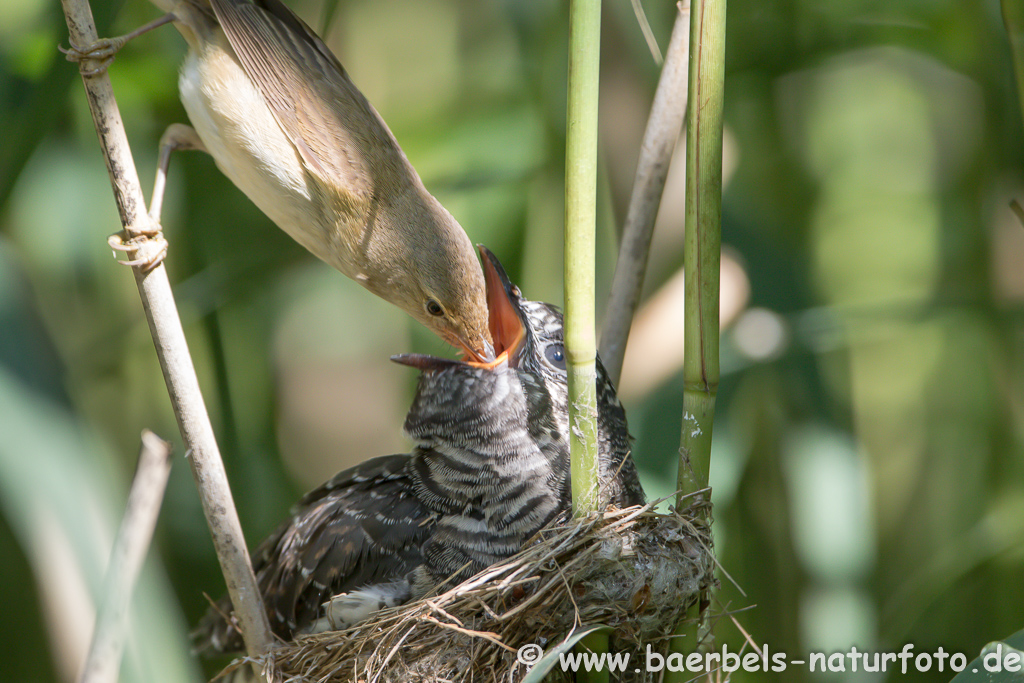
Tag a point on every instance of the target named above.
point(631, 569)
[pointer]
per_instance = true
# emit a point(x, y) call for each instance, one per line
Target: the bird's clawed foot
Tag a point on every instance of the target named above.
point(94, 59)
point(149, 244)
point(149, 247)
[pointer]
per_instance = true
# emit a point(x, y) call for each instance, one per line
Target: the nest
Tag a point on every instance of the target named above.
point(633, 570)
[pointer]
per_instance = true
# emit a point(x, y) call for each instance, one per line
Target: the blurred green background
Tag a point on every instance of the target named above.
point(868, 472)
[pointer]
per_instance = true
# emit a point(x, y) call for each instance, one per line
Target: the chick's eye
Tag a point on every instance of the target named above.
point(556, 355)
point(434, 308)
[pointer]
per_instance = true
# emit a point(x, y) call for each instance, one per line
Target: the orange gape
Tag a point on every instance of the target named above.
point(506, 327)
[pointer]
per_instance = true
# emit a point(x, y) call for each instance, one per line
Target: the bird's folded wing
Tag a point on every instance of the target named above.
point(339, 136)
point(363, 526)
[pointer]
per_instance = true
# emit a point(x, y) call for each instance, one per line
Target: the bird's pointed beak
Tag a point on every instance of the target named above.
point(423, 362)
point(504, 321)
point(474, 348)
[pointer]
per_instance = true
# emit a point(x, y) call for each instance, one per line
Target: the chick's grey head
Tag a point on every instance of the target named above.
point(523, 394)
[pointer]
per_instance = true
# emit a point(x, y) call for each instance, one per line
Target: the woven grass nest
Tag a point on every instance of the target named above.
point(633, 570)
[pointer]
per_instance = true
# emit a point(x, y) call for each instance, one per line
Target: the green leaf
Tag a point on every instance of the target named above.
point(999, 662)
point(546, 663)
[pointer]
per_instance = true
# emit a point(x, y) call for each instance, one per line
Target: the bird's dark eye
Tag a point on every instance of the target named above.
point(556, 355)
point(434, 308)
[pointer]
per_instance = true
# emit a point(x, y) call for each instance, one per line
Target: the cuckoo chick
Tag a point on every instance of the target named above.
point(490, 468)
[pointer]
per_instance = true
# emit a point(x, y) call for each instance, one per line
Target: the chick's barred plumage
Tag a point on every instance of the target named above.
point(490, 468)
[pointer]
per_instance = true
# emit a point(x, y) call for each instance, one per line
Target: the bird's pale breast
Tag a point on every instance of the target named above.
point(244, 139)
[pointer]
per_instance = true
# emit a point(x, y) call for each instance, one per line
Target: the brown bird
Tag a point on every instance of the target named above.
point(278, 113)
point(490, 468)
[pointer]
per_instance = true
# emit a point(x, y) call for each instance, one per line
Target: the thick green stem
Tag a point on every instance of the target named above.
point(1013, 17)
point(702, 250)
point(580, 218)
point(580, 226)
point(701, 260)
